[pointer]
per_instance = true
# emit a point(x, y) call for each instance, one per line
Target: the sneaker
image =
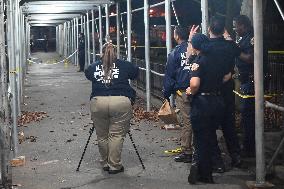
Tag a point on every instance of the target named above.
point(186, 158)
point(116, 171)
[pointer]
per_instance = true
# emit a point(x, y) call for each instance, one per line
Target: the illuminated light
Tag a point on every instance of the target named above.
point(52, 8)
point(112, 13)
point(151, 10)
point(155, 25)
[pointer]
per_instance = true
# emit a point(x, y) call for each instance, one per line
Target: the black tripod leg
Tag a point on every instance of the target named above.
point(91, 132)
point(132, 141)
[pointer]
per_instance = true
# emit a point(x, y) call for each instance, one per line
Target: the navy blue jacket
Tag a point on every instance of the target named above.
point(177, 70)
point(119, 84)
point(245, 69)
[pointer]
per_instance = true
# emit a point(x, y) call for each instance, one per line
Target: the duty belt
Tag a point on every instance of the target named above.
point(211, 94)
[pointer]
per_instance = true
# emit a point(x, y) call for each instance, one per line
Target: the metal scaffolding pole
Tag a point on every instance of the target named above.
point(93, 37)
point(168, 33)
point(17, 56)
point(74, 41)
point(4, 110)
point(147, 54)
point(101, 30)
point(204, 10)
point(107, 19)
point(77, 39)
point(88, 40)
point(82, 28)
point(85, 34)
point(118, 29)
point(12, 75)
point(259, 100)
point(279, 9)
point(129, 23)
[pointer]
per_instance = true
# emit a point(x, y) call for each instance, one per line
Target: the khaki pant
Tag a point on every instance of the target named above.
point(183, 105)
point(111, 116)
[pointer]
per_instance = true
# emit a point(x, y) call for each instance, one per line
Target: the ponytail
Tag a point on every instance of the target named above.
point(108, 58)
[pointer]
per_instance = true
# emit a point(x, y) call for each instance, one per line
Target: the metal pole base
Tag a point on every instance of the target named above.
point(253, 185)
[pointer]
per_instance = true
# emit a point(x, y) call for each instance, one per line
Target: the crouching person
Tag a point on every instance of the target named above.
point(111, 105)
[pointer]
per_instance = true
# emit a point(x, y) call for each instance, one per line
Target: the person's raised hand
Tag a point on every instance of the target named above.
point(193, 31)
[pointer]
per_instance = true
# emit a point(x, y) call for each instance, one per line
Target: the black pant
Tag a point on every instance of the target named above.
point(228, 124)
point(205, 117)
point(248, 118)
point(82, 61)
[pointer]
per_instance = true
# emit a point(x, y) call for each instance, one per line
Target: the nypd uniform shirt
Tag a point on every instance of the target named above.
point(118, 84)
point(246, 46)
point(210, 74)
point(224, 52)
point(177, 70)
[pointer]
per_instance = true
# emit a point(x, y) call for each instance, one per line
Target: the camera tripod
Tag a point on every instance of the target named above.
point(91, 132)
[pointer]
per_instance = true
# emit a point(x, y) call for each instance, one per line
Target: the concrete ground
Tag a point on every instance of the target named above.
point(51, 160)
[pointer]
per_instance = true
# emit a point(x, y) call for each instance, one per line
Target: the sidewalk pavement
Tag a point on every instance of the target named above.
point(52, 158)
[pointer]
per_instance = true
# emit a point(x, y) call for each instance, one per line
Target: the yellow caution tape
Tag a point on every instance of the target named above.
point(276, 52)
point(174, 151)
point(253, 96)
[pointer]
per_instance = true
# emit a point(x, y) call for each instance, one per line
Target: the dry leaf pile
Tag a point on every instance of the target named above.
point(140, 114)
point(28, 117)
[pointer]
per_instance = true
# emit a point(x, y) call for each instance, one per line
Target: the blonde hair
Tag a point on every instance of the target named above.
point(109, 56)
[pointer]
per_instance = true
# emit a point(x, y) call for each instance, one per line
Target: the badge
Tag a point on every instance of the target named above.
point(194, 67)
point(252, 41)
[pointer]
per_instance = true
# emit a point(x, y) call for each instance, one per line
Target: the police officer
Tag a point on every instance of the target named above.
point(225, 51)
point(81, 52)
point(176, 81)
point(207, 107)
point(111, 105)
point(244, 31)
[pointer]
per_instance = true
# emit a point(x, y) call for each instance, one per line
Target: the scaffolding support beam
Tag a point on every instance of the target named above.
point(107, 19)
point(101, 30)
point(147, 55)
point(129, 24)
point(93, 37)
point(258, 80)
point(88, 40)
point(118, 29)
point(205, 16)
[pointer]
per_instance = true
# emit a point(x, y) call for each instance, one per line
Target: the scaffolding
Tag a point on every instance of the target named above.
point(73, 17)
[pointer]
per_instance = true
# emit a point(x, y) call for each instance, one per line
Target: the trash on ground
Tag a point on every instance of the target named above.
point(49, 162)
point(19, 161)
point(170, 127)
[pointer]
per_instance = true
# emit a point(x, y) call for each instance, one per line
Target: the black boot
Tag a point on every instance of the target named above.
point(193, 176)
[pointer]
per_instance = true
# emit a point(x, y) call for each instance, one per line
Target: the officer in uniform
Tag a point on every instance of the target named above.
point(225, 51)
point(176, 81)
point(111, 105)
point(81, 52)
point(244, 31)
point(207, 107)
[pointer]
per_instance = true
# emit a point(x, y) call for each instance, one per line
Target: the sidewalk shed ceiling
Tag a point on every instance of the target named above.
point(52, 13)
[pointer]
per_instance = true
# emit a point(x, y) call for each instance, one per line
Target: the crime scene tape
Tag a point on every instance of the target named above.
point(62, 61)
point(252, 96)
point(174, 151)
